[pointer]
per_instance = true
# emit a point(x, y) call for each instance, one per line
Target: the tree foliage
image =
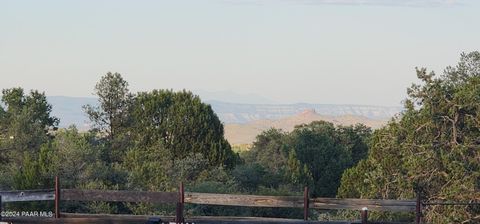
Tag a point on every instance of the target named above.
point(112, 113)
point(433, 148)
point(111, 118)
point(325, 151)
point(183, 124)
point(25, 123)
point(314, 155)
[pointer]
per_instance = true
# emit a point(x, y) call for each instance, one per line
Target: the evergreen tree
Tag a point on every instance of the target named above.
point(112, 116)
point(183, 123)
point(432, 148)
point(25, 124)
point(314, 155)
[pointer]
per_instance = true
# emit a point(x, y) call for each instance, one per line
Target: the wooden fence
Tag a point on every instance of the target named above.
point(181, 197)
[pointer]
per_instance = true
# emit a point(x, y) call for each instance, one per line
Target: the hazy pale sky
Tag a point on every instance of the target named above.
point(316, 51)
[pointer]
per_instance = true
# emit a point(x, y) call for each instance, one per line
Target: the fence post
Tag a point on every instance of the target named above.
point(418, 209)
point(306, 203)
point(364, 215)
point(57, 198)
point(180, 204)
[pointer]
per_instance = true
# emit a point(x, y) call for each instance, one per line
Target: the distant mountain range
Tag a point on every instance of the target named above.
point(244, 113)
point(243, 118)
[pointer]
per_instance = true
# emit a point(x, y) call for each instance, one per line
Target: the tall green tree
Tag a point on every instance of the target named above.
point(432, 148)
point(112, 116)
point(183, 123)
point(25, 123)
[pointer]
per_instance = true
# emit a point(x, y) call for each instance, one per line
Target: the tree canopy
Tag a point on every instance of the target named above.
point(183, 123)
point(314, 155)
point(25, 123)
point(111, 118)
point(433, 147)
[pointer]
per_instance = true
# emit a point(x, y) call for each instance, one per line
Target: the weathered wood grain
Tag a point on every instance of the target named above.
point(70, 218)
point(244, 200)
point(358, 204)
point(28, 195)
point(118, 196)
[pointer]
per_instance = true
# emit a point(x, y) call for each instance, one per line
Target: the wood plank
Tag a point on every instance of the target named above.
point(251, 220)
point(244, 200)
point(358, 204)
point(118, 196)
point(209, 199)
point(28, 195)
point(72, 218)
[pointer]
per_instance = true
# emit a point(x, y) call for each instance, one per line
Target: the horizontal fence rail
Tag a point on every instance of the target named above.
point(244, 200)
point(181, 197)
point(118, 196)
point(209, 199)
point(358, 204)
point(28, 195)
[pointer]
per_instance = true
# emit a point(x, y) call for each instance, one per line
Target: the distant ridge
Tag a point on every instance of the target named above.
point(244, 113)
point(69, 110)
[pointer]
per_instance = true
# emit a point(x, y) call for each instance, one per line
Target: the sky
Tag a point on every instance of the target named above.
point(286, 51)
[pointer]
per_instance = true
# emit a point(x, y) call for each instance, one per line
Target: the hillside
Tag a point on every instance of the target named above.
point(244, 121)
point(246, 133)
